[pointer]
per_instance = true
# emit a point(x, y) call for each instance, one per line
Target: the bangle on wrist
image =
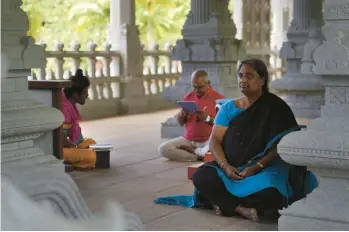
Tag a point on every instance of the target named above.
point(260, 165)
point(223, 163)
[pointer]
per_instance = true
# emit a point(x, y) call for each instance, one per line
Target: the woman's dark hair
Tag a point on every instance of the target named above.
point(79, 83)
point(261, 69)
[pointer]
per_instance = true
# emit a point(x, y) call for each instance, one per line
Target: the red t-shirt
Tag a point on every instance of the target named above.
point(199, 130)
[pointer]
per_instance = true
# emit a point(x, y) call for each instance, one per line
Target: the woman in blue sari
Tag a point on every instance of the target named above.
point(248, 176)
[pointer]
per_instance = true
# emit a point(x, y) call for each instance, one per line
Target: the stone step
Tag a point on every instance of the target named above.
point(192, 169)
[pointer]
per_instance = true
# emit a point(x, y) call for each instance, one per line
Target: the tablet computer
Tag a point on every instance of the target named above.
point(188, 106)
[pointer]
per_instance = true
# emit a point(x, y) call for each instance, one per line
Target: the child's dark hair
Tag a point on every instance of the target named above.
point(79, 83)
point(262, 70)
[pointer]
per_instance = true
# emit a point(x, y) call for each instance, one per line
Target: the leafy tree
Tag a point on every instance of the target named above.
point(90, 14)
point(160, 20)
point(85, 20)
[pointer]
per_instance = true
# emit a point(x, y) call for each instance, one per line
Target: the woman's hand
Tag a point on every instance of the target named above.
point(232, 172)
point(250, 171)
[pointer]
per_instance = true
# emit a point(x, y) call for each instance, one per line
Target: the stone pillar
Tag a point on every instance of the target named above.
point(208, 43)
point(324, 146)
point(24, 121)
point(256, 28)
point(302, 91)
point(280, 21)
point(124, 38)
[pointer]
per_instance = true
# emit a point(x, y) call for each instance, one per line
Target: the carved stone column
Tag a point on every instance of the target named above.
point(26, 170)
point(324, 146)
point(256, 28)
point(125, 39)
point(24, 121)
point(302, 90)
point(208, 43)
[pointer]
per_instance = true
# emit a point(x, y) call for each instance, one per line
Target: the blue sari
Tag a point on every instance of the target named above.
point(250, 135)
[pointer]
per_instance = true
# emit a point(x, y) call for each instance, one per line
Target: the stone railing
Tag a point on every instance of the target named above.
point(103, 67)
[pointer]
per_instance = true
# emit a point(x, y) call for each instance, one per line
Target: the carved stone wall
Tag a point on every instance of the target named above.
point(257, 28)
point(324, 146)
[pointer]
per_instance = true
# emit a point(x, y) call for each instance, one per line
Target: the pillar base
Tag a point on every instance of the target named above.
point(171, 129)
point(133, 100)
point(324, 149)
point(324, 209)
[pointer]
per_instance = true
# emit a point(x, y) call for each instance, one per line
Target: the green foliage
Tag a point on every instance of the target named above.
point(84, 20)
point(161, 20)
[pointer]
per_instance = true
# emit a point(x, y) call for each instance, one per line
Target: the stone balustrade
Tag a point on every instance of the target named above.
point(107, 80)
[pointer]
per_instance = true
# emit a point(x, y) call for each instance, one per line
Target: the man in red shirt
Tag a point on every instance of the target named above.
point(198, 126)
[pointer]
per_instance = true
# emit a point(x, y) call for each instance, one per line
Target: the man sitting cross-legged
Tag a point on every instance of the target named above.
point(198, 125)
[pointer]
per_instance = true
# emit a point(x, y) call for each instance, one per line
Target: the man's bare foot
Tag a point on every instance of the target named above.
point(249, 213)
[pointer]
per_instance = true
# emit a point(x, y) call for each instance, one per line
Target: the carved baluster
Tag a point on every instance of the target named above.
point(115, 66)
point(161, 70)
point(146, 83)
point(146, 70)
point(59, 62)
point(49, 74)
point(42, 71)
point(106, 71)
point(174, 67)
point(75, 46)
point(179, 67)
point(66, 74)
point(166, 82)
point(168, 65)
point(173, 81)
point(92, 71)
point(99, 69)
point(154, 60)
point(154, 88)
point(160, 85)
point(145, 67)
point(106, 60)
point(32, 75)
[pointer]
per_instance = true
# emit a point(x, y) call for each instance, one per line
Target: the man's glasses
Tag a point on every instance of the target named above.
point(198, 86)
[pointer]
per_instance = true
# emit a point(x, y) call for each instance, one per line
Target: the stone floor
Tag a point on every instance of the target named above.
point(138, 175)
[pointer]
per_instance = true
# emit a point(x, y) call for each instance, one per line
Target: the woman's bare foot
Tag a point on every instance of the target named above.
point(218, 211)
point(249, 213)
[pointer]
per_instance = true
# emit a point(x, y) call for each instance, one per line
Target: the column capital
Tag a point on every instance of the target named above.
point(303, 37)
